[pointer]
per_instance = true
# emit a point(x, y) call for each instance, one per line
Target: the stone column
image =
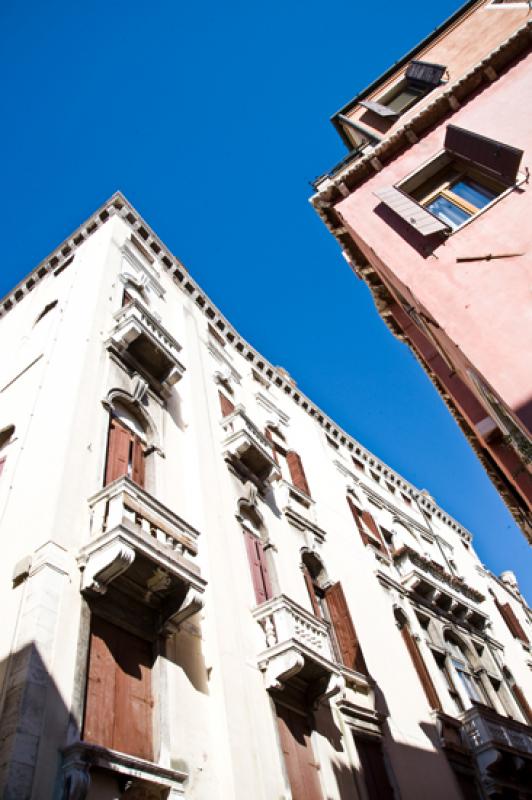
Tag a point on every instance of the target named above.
point(28, 679)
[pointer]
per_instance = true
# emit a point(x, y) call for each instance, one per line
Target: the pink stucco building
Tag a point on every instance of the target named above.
point(432, 209)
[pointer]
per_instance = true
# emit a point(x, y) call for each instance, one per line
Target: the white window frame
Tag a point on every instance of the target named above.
point(443, 156)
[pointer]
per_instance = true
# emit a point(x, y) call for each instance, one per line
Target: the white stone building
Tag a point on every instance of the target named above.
point(208, 589)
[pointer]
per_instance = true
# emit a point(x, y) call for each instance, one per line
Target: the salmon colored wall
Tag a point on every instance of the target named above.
point(484, 307)
point(459, 49)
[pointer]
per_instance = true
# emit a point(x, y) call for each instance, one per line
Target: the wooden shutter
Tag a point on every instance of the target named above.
point(137, 466)
point(421, 668)
point(522, 702)
point(297, 473)
point(117, 451)
point(350, 650)
point(312, 594)
point(118, 711)
point(500, 159)
point(296, 746)
point(410, 211)
point(365, 522)
point(225, 404)
point(424, 74)
point(357, 517)
point(259, 568)
point(512, 623)
point(374, 768)
point(269, 437)
point(378, 108)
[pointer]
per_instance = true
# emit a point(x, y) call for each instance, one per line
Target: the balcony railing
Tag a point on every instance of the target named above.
point(244, 444)
point(141, 337)
point(296, 643)
point(483, 727)
point(143, 549)
point(437, 585)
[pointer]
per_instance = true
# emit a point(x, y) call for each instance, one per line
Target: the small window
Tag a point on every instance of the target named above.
point(46, 310)
point(358, 464)
point(407, 499)
point(420, 78)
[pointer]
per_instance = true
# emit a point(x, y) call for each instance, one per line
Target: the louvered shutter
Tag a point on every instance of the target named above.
point(225, 404)
point(269, 437)
point(500, 159)
point(117, 452)
point(137, 473)
point(118, 711)
point(421, 668)
point(511, 621)
point(424, 74)
point(378, 108)
point(296, 746)
point(259, 569)
point(297, 473)
point(418, 217)
point(356, 516)
point(312, 594)
point(350, 650)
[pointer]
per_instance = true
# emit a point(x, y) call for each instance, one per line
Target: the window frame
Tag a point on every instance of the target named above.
point(438, 163)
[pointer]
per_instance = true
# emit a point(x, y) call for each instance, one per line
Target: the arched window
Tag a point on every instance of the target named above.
point(126, 448)
point(460, 669)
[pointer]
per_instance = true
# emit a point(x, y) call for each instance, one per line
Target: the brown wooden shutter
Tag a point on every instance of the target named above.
point(117, 452)
point(411, 212)
point(296, 746)
point(225, 404)
point(118, 712)
point(512, 623)
point(373, 768)
point(500, 159)
point(357, 517)
point(259, 568)
point(522, 703)
point(365, 522)
point(297, 473)
point(269, 437)
point(424, 74)
point(421, 668)
point(368, 520)
point(312, 594)
point(137, 467)
point(350, 650)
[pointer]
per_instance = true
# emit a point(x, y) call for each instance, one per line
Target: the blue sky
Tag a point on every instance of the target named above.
point(212, 118)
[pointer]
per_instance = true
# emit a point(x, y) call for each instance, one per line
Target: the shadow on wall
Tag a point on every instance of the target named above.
point(31, 706)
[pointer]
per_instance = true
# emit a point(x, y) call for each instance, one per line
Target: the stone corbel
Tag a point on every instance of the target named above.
point(105, 565)
point(281, 668)
point(192, 603)
point(76, 781)
point(172, 378)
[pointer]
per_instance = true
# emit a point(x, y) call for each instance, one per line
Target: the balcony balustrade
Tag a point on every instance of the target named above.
point(246, 447)
point(296, 644)
point(502, 749)
point(143, 550)
point(139, 337)
point(438, 586)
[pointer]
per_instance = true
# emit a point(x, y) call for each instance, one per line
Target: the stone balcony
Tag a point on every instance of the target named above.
point(502, 749)
point(296, 646)
point(139, 337)
point(439, 587)
point(142, 552)
point(246, 447)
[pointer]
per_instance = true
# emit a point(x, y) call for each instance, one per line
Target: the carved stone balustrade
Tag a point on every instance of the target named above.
point(144, 553)
point(246, 447)
point(445, 591)
point(139, 337)
point(297, 646)
point(502, 749)
point(142, 780)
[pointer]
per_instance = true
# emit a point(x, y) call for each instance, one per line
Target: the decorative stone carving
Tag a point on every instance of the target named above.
point(281, 668)
point(104, 566)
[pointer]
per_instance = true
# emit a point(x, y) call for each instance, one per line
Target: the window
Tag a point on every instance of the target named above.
point(367, 527)
point(420, 78)
point(126, 450)
point(288, 460)
point(417, 659)
point(226, 405)
point(459, 183)
point(301, 767)
point(259, 568)
point(370, 753)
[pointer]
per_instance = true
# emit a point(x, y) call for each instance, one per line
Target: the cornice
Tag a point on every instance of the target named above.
point(118, 205)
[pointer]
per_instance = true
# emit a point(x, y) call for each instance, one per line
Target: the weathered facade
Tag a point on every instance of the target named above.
point(431, 208)
point(209, 590)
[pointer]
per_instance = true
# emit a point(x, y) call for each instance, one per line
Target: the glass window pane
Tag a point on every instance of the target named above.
point(403, 99)
point(447, 211)
point(478, 196)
